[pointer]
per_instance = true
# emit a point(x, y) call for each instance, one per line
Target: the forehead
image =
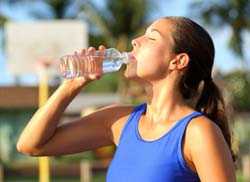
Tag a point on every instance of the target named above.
point(162, 25)
point(165, 28)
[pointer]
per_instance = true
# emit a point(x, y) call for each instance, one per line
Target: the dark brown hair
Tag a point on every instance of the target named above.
point(191, 38)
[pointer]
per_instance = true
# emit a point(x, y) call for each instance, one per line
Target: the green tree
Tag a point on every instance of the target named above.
point(3, 19)
point(232, 13)
point(238, 83)
point(118, 21)
point(58, 9)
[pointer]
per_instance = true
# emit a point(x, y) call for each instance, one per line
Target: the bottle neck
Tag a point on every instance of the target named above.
point(125, 57)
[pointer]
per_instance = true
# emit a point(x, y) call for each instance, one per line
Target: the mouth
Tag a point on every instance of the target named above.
point(132, 57)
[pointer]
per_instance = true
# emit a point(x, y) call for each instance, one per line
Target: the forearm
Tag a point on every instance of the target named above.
point(44, 122)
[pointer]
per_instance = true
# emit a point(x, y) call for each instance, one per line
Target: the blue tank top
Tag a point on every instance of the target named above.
point(160, 160)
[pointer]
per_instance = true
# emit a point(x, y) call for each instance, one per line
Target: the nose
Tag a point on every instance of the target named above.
point(134, 43)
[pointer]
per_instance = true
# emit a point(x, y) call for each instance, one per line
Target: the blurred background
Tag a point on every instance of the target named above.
point(112, 23)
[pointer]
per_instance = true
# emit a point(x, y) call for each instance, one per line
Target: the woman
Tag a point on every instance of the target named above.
point(164, 139)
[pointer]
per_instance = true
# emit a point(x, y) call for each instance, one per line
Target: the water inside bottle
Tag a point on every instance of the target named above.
point(71, 66)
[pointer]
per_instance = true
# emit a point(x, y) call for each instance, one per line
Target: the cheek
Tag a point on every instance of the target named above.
point(152, 63)
point(151, 70)
point(131, 71)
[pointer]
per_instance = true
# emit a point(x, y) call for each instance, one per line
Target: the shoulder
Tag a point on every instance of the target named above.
point(203, 133)
point(203, 127)
point(117, 115)
point(199, 132)
point(205, 136)
point(208, 149)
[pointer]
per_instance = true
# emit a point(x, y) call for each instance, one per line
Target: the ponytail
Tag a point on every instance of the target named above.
point(211, 103)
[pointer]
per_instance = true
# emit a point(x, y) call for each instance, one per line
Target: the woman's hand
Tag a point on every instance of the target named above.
point(90, 64)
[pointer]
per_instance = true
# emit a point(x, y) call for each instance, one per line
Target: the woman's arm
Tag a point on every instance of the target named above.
point(44, 122)
point(42, 136)
point(209, 151)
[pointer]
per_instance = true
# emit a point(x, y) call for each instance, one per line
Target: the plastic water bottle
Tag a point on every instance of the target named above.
point(71, 65)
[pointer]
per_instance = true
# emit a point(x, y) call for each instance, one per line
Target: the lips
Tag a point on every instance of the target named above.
point(132, 56)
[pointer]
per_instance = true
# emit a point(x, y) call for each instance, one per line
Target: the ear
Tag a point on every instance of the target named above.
point(179, 62)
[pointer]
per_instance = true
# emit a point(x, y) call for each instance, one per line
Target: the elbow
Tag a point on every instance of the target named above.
point(34, 152)
point(22, 149)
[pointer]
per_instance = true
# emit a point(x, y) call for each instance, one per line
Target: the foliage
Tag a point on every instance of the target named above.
point(107, 84)
point(242, 134)
point(117, 20)
point(238, 84)
point(3, 19)
point(59, 7)
point(233, 13)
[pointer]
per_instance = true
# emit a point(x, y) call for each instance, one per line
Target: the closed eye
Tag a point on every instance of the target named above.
point(151, 38)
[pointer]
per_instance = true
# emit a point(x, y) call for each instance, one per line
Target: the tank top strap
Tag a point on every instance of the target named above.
point(187, 119)
point(131, 122)
point(181, 133)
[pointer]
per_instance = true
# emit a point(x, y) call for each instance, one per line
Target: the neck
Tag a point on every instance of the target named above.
point(165, 102)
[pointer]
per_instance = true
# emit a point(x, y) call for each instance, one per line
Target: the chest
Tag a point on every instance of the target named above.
point(150, 132)
point(153, 133)
point(141, 161)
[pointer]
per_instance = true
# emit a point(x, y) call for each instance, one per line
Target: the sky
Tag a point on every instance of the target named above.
point(225, 60)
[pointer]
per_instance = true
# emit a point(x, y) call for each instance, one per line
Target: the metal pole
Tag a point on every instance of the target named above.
point(43, 96)
point(85, 171)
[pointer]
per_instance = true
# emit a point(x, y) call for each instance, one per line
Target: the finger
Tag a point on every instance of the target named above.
point(101, 49)
point(83, 52)
point(92, 64)
point(91, 51)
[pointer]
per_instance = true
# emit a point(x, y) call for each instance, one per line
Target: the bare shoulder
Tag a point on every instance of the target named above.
point(209, 151)
point(118, 115)
point(203, 131)
point(203, 126)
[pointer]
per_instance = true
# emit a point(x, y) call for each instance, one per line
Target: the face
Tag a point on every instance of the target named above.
point(152, 52)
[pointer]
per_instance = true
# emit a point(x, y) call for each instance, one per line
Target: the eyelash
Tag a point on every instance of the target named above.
point(151, 38)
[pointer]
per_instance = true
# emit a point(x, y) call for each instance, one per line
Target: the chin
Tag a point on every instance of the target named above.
point(130, 72)
point(129, 75)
